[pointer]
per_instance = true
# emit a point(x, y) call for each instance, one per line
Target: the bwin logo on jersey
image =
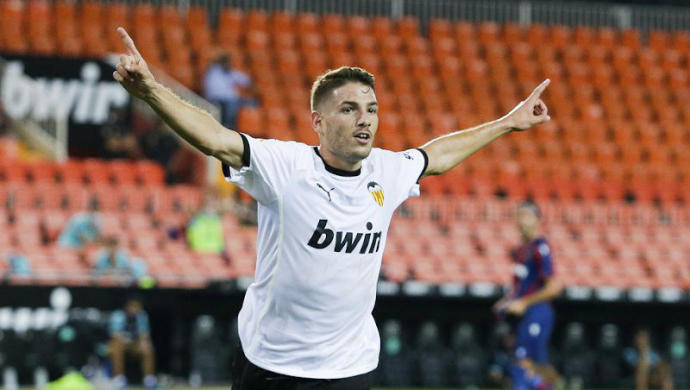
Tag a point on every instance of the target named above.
point(349, 241)
point(376, 192)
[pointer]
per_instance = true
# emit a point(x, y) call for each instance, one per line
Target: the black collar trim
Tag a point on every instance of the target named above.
point(337, 171)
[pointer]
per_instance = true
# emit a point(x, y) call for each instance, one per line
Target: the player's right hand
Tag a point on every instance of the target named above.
point(132, 71)
point(501, 305)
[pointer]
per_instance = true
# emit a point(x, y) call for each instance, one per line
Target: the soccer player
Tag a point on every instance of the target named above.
point(530, 299)
point(323, 215)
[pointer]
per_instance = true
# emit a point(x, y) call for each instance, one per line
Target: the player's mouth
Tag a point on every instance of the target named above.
point(362, 137)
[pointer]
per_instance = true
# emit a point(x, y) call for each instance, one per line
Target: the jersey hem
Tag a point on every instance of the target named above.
point(320, 374)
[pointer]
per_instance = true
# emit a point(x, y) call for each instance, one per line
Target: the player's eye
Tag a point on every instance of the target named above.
point(373, 110)
point(346, 110)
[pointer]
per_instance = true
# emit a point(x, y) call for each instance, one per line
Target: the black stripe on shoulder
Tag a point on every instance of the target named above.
point(426, 163)
point(246, 156)
point(246, 152)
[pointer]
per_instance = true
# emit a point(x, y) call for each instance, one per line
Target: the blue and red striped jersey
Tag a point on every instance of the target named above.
point(533, 266)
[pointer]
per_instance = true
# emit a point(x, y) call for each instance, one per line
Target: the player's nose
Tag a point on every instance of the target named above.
point(363, 121)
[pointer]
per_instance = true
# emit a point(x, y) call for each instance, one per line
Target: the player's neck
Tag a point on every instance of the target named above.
point(527, 238)
point(334, 161)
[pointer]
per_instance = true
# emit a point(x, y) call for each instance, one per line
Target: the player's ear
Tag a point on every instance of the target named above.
point(316, 121)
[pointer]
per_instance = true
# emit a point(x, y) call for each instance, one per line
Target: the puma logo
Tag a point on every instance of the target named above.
point(328, 192)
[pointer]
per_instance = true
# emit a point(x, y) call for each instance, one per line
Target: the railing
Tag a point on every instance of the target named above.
point(589, 13)
point(642, 17)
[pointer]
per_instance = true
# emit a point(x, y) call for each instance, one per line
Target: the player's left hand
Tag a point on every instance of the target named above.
point(517, 307)
point(531, 111)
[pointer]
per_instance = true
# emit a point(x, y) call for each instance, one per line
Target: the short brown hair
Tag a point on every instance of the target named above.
point(333, 79)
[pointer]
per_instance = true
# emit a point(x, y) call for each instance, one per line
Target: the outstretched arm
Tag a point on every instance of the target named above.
point(193, 124)
point(447, 151)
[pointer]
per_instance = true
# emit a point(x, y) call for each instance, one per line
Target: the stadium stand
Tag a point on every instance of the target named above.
point(612, 171)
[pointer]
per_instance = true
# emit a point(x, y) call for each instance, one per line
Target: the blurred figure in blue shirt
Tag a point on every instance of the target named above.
point(114, 260)
point(18, 264)
point(130, 335)
point(222, 86)
point(82, 229)
point(650, 369)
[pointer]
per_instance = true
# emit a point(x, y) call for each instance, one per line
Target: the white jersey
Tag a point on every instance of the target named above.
point(321, 237)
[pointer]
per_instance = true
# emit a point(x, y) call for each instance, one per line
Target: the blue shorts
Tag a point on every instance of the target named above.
point(533, 333)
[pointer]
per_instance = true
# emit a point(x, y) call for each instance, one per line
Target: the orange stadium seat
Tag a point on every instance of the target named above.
point(40, 26)
point(116, 15)
point(66, 29)
point(357, 26)
point(231, 23)
point(94, 30)
point(12, 19)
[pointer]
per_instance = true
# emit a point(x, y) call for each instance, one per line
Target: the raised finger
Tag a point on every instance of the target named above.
point(540, 88)
point(118, 77)
point(129, 43)
point(122, 71)
point(126, 60)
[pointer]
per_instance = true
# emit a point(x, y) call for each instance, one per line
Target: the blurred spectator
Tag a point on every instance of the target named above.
point(152, 142)
point(130, 335)
point(205, 228)
point(433, 357)
point(649, 368)
point(468, 357)
point(608, 365)
point(113, 260)
point(118, 140)
point(161, 145)
point(678, 358)
point(222, 86)
point(578, 361)
point(396, 361)
point(82, 229)
point(158, 144)
point(18, 264)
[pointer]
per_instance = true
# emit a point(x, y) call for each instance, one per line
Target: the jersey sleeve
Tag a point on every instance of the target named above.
point(543, 255)
point(410, 166)
point(267, 165)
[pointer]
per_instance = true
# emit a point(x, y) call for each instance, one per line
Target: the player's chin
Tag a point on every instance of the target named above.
point(362, 151)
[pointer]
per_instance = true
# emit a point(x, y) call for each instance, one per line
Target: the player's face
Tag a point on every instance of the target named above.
point(527, 222)
point(133, 307)
point(347, 121)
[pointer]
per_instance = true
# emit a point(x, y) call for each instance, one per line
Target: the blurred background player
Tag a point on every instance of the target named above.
point(130, 335)
point(530, 299)
point(648, 366)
